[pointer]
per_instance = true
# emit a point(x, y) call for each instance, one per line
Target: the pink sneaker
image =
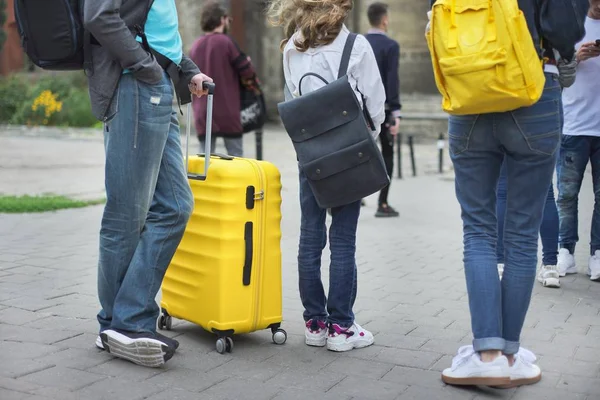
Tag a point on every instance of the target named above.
point(315, 333)
point(344, 339)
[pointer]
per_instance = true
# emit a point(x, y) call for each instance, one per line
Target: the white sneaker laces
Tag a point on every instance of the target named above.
point(464, 354)
point(526, 356)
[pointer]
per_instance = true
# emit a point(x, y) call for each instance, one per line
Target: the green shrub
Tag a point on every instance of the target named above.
point(45, 109)
point(56, 99)
point(13, 93)
point(77, 110)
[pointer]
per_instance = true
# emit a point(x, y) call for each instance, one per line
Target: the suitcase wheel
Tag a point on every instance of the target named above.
point(279, 336)
point(165, 321)
point(224, 345)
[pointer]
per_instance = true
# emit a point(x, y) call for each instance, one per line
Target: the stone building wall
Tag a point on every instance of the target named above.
point(261, 41)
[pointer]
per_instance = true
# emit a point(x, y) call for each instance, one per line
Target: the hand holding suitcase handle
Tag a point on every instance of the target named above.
point(210, 87)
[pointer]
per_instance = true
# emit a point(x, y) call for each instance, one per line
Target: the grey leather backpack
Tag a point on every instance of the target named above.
point(333, 141)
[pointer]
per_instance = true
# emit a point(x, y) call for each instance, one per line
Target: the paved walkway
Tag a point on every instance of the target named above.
point(411, 295)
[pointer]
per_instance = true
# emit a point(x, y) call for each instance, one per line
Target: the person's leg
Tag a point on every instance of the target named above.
point(344, 333)
point(477, 158)
point(213, 143)
point(500, 214)
point(135, 142)
point(387, 151)
point(528, 178)
point(313, 238)
point(594, 262)
point(133, 158)
point(573, 158)
point(477, 163)
point(549, 230)
point(548, 275)
point(342, 270)
point(234, 146)
point(531, 137)
point(136, 308)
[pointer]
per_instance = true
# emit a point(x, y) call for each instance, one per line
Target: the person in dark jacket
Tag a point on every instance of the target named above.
point(148, 197)
point(219, 56)
point(527, 141)
point(387, 54)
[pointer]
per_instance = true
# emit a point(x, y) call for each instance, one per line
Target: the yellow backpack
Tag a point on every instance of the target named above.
point(483, 56)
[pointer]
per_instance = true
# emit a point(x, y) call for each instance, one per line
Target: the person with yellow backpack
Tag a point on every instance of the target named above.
point(504, 101)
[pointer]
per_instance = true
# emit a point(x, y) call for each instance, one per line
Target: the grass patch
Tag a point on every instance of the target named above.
point(37, 204)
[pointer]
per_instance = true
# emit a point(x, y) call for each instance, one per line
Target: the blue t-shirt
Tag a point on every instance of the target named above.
point(162, 30)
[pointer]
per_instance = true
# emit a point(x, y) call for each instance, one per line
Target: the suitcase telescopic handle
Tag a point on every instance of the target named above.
point(207, 138)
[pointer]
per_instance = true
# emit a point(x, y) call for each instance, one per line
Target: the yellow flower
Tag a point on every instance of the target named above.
point(47, 100)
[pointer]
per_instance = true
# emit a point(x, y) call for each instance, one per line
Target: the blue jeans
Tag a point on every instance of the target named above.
point(148, 204)
point(342, 269)
point(548, 230)
point(526, 140)
point(575, 152)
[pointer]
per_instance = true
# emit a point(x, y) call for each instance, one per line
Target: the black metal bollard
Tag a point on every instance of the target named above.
point(412, 155)
point(259, 144)
point(399, 150)
point(440, 146)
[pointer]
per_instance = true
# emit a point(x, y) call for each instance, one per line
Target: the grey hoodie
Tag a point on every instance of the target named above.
point(108, 22)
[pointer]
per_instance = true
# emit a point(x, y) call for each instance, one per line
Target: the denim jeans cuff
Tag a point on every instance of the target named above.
point(341, 324)
point(322, 319)
point(511, 347)
point(549, 260)
point(492, 343)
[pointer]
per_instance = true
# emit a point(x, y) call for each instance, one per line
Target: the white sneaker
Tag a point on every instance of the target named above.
point(524, 371)
point(468, 369)
point(99, 343)
point(548, 276)
point(500, 270)
point(594, 266)
point(315, 333)
point(566, 263)
point(344, 339)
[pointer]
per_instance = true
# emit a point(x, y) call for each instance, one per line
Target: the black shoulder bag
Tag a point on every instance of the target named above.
point(333, 139)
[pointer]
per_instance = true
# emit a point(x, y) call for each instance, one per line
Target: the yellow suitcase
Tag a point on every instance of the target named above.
point(226, 273)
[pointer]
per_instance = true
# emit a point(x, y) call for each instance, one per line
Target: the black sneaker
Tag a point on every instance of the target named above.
point(386, 211)
point(144, 349)
point(169, 341)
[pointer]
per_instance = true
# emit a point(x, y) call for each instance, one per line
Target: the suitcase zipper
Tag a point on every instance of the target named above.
point(258, 243)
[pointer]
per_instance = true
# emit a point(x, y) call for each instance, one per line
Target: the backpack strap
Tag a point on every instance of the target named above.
point(344, 70)
point(346, 54)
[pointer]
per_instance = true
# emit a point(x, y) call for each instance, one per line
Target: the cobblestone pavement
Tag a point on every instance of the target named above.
point(411, 295)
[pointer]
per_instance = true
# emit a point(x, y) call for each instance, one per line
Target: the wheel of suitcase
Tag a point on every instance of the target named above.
point(165, 321)
point(279, 336)
point(224, 345)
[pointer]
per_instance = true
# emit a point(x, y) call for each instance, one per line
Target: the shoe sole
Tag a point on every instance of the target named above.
point(386, 215)
point(521, 382)
point(315, 342)
point(348, 346)
point(144, 351)
point(550, 282)
point(476, 381)
point(595, 278)
point(99, 344)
